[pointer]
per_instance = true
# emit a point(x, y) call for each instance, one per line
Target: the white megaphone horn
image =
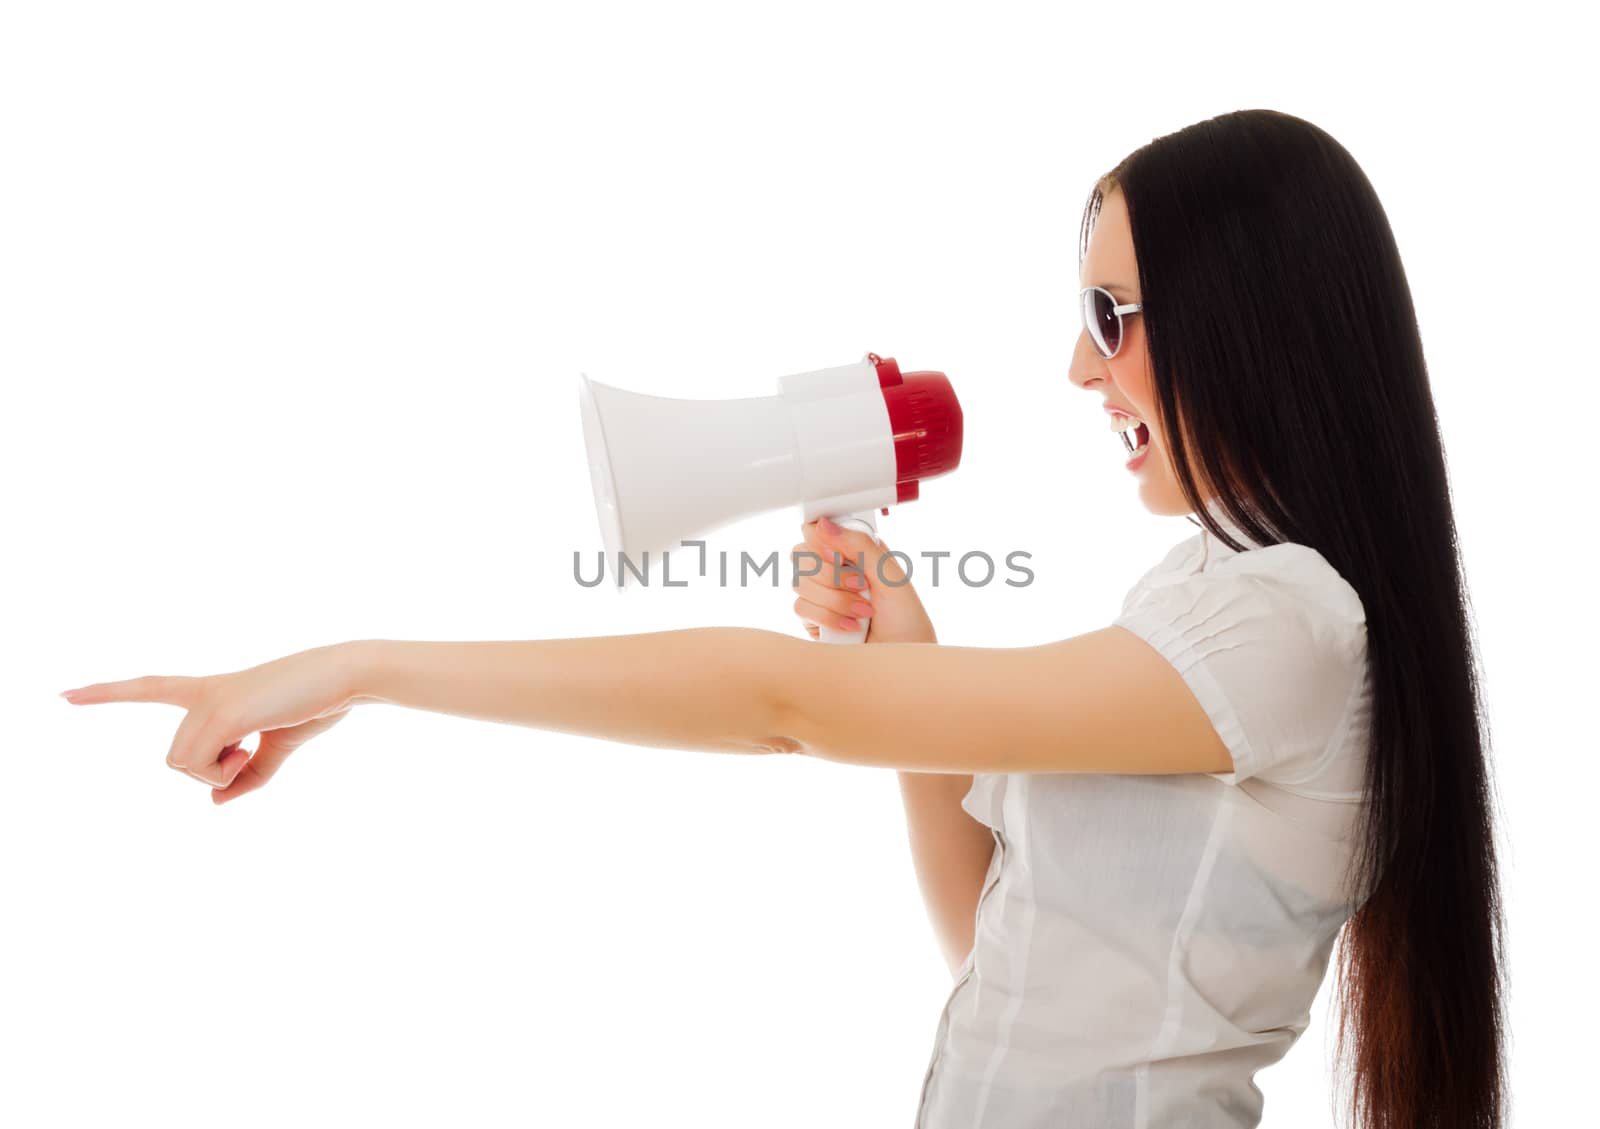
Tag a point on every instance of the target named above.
point(840, 442)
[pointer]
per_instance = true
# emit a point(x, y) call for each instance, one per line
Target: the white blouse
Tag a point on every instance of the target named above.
point(1146, 943)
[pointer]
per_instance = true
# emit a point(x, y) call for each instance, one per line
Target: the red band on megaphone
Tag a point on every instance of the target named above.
point(925, 417)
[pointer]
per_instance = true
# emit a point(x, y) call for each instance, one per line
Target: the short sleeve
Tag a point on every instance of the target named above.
point(1272, 643)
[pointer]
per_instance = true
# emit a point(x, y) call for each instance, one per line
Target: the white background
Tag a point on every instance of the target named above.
point(293, 299)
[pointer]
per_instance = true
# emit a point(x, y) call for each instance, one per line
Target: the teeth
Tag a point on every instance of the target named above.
point(1125, 426)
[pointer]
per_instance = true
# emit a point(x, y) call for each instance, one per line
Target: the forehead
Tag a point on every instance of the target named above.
point(1110, 261)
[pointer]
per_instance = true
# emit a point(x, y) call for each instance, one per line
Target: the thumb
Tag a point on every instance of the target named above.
point(272, 750)
point(257, 769)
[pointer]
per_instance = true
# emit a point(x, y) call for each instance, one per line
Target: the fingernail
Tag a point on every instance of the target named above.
point(854, 581)
point(847, 623)
point(827, 525)
point(861, 609)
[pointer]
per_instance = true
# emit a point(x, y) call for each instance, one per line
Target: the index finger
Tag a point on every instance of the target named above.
point(835, 565)
point(817, 543)
point(175, 690)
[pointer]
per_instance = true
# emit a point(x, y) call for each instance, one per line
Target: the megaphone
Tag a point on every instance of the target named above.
point(840, 442)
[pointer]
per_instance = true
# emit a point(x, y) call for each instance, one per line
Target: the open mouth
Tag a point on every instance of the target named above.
point(1135, 432)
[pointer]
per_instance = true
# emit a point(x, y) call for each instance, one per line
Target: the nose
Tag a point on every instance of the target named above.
point(1088, 368)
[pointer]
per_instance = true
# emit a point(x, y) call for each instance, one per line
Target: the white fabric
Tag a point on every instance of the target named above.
point(1146, 943)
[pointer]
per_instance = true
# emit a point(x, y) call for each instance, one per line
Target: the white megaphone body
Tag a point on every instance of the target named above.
point(840, 442)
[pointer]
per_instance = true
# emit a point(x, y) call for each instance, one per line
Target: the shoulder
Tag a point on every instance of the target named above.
point(1283, 578)
point(1294, 578)
point(1272, 641)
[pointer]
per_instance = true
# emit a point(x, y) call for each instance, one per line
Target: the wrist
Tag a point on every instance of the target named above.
point(358, 662)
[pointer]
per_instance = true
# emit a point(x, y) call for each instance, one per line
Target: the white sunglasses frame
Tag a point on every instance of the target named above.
point(1119, 310)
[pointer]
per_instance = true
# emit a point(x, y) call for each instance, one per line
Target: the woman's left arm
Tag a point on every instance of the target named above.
point(1100, 702)
point(1105, 701)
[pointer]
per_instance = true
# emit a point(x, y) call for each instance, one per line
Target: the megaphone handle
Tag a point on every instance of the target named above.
point(865, 522)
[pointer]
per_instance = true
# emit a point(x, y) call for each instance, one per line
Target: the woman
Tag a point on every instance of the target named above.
point(1277, 739)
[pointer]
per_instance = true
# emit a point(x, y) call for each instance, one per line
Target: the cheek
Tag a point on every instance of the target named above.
point(1136, 384)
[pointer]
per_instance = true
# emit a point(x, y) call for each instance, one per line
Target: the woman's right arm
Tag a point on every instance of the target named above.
point(950, 850)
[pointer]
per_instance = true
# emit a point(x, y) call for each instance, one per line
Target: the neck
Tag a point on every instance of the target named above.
point(1219, 515)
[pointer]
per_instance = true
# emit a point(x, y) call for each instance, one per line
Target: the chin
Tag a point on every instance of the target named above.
point(1169, 509)
point(1163, 499)
point(1159, 491)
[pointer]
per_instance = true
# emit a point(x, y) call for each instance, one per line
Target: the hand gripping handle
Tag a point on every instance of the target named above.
point(865, 522)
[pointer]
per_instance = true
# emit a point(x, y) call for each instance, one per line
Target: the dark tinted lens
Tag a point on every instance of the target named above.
point(1105, 328)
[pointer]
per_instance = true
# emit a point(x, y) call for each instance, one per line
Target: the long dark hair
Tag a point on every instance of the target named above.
point(1282, 335)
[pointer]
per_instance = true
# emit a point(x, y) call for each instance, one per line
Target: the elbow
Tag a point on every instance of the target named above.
point(781, 725)
point(785, 727)
point(808, 704)
point(784, 675)
point(776, 744)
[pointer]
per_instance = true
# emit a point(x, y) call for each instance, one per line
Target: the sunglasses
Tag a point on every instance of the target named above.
point(1102, 317)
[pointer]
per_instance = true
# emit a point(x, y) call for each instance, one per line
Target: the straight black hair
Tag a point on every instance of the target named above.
point(1291, 386)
